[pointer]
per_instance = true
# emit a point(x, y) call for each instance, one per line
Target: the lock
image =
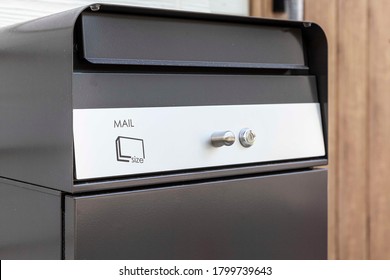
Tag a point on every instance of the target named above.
point(247, 137)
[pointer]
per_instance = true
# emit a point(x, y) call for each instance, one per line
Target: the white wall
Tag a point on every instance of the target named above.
point(13, 11)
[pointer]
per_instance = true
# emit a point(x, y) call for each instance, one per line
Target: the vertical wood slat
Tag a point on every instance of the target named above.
point(352, 130)
point(256, 8)
point(379, 128)
point(324, 12)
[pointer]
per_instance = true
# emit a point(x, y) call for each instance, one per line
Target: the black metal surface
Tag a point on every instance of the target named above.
point(30, 222)
point(186, 41)
point(317, 56)
point(190, 175)
point(111, 90)
point(36, 72)
point(271, 217)
point(36, 143)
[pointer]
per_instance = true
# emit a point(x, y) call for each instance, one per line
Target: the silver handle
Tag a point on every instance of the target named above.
point(222, 138)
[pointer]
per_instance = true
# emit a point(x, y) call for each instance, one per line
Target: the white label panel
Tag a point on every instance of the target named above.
point(126, 141)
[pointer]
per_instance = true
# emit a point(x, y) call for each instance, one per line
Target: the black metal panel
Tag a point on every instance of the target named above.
point(119, 90)
point(317, 56)
point(191, 175)
point(36, 143)
point(151, 40)
point(30, 219)
point(271, 217)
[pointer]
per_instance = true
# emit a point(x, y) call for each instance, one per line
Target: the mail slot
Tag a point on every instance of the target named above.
point(187, 42)
point(136, 133)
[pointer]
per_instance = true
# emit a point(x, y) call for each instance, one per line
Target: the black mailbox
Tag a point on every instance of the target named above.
point(134, 133)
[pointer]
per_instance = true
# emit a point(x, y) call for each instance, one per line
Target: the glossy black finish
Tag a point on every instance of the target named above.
point(30, 222)
point(262, 217)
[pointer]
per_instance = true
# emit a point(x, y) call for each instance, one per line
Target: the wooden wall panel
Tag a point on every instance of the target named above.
point(346, 24)
point(324, 13)
point(352, 129)
point(379, 128)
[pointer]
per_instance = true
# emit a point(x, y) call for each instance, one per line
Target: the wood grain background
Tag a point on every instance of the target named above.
point(358, 34)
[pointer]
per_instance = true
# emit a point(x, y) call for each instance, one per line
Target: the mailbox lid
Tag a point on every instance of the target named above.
point(134, 39)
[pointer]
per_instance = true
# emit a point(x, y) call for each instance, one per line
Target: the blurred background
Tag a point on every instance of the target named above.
point(12, 11)
point(359, 99)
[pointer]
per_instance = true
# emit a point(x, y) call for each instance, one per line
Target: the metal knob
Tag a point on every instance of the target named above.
point(222, 138)
point(247, 137)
